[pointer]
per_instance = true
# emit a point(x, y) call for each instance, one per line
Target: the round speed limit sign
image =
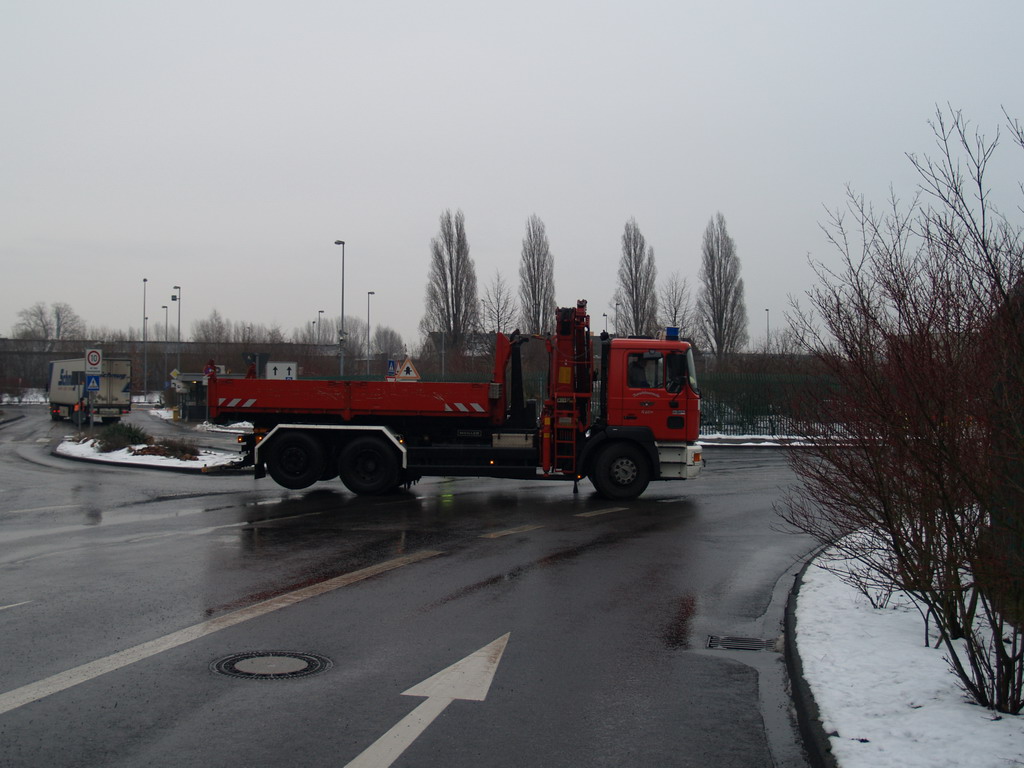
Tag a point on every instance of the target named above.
point(93, 358)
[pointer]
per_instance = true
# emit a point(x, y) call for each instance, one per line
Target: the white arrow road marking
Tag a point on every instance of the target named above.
point(469, 679)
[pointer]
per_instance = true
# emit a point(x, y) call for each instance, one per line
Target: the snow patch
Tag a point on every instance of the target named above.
point(890, 698)
point(88, 449)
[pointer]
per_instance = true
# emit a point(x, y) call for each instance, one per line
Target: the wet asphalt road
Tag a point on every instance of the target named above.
point(607, 607)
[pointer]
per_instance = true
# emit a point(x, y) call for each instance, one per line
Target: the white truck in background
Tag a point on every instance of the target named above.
point(71, 399)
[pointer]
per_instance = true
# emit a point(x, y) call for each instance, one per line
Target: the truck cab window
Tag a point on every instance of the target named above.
point(645, 371)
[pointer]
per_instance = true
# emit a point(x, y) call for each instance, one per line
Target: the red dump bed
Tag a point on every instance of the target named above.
point(344, 401)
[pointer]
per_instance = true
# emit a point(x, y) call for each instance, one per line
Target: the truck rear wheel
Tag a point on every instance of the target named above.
point(620, 472)
point(368, 466)
point(296, 460)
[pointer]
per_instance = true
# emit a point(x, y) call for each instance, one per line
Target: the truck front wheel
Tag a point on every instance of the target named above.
point(296, 460)
point(368, 466)
point(620, 472)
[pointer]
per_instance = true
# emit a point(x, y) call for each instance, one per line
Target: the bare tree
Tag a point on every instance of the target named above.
point(721, 309)
point(54, 323)
point(676, 305)
point(536, 280)
point(105, 334)
point(34, 323)
point(636, 293)
point(355, 327)
point(213, 329)
point(499, 305)
point(452, 307)
point(387, 342)
point(66, 322)
point(915, 470)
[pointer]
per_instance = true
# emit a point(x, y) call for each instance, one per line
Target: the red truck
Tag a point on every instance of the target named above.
point(633, 418)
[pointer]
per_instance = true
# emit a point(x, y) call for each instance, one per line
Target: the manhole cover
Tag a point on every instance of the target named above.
point(271, 665)
point(724, 642)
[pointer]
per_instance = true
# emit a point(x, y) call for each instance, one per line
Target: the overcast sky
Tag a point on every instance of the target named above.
point(225, 146)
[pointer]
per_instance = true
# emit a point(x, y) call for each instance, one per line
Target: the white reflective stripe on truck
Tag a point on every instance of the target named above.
point(333, 428)
point(463, 408)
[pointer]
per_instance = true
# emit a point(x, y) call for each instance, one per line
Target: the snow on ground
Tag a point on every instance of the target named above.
point(890, 698)
point(87, 449)
point(25, 397)
point(167, 415)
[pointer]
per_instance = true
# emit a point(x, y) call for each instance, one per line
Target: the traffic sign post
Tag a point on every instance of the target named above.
point(93, 371)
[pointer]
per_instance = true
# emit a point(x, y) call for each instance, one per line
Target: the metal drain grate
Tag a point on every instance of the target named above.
point(727, 643)
point(271, 665)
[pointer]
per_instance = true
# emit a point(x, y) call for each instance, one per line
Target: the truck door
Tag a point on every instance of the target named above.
point(653, 395)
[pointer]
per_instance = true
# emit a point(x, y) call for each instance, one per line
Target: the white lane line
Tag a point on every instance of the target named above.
point(510, 531)
point(42, 509)
point(597, 512)
point(14, 605)
point(64, 680)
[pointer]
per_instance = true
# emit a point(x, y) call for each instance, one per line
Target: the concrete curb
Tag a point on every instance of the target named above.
point(9, 419)
point(816, 741)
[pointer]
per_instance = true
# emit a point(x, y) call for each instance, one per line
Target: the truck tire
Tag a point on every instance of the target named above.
point(368, 466)
point(296, 460)
point(620, 472)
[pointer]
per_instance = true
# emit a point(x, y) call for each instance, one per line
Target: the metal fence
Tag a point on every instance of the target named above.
point(756, 403)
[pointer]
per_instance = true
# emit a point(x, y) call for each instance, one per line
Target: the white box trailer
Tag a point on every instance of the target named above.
point(70, 397)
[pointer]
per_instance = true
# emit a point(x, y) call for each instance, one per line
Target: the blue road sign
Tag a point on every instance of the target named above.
point(92, 383)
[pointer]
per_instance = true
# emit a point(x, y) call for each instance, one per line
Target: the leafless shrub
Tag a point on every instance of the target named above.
point(920, 446)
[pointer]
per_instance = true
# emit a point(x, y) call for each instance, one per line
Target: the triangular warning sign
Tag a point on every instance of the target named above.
point(407, 371)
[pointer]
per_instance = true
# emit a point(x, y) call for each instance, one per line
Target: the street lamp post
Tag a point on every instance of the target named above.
point(145, 349)
point(164, 308)
point(605, 316)
point(177, 298)
point(341, 332)
point(319, 325)
point(368, 295)
point(767, 329)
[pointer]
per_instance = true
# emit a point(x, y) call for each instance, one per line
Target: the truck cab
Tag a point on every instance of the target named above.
point(651, 383)
point(647, 422)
